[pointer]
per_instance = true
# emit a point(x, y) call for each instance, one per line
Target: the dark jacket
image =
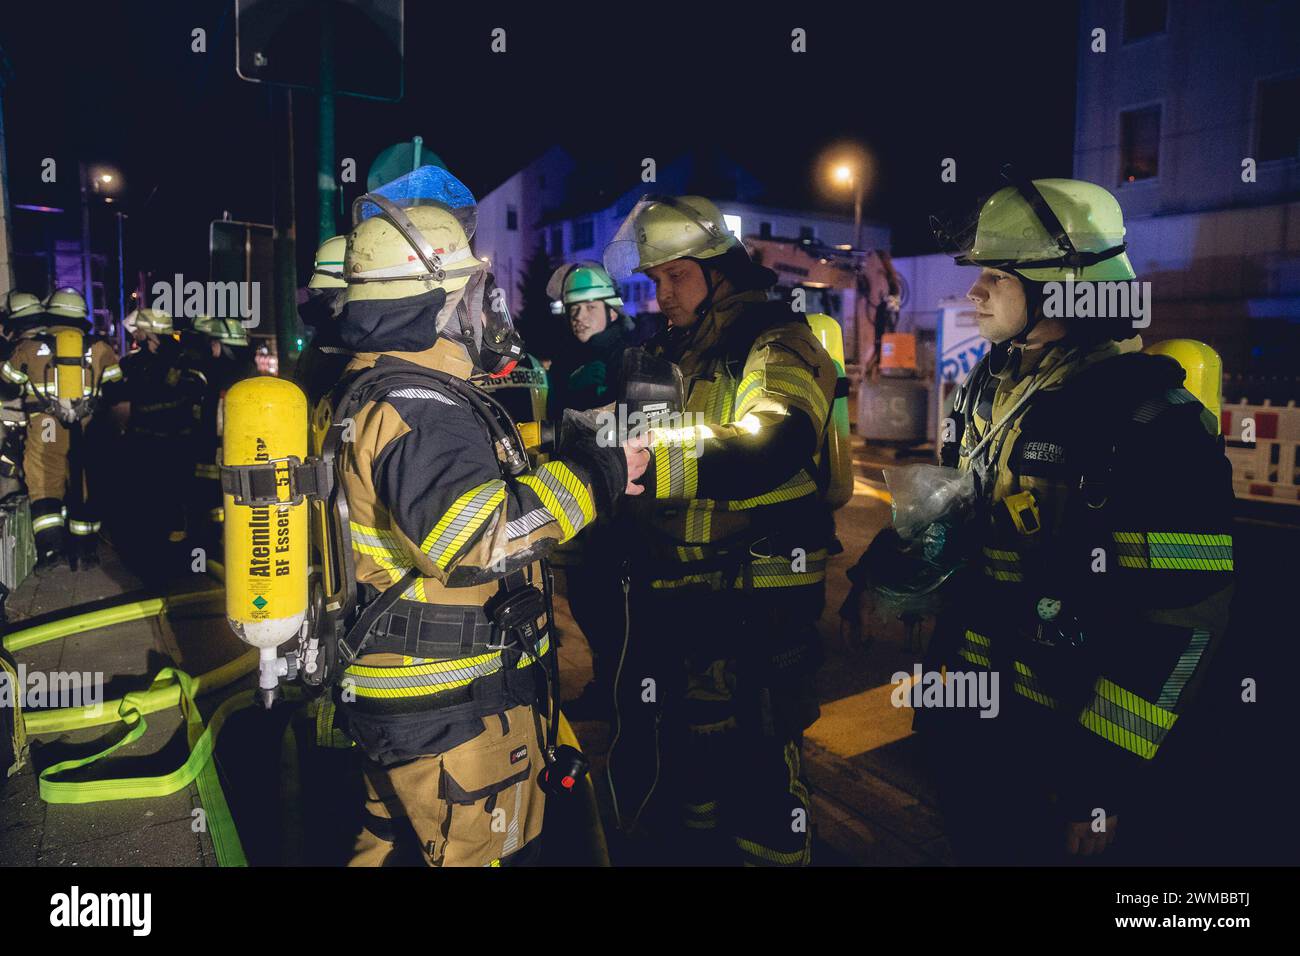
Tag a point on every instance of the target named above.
point(1102, 558)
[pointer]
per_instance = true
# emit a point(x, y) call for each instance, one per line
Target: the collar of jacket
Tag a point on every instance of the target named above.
point(445, 356)
point(1023, 366)
point(608, 340)
point(701, 343)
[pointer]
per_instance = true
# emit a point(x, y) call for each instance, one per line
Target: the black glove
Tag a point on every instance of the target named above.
point(603, 460)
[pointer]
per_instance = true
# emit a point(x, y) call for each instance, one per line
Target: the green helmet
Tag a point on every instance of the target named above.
point(149, 320)
point(1051, 230)
point(226, 331)
point(21, 305)
point(660, 229)
point(583, 282)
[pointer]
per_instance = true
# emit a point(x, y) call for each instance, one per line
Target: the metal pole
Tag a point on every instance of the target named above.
point(86, 289)
point(325, 142)
point(121, 286)
point(857, 213)
point(284, 232)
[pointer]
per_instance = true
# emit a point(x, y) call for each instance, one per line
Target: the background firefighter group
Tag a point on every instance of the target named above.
point(123, 446)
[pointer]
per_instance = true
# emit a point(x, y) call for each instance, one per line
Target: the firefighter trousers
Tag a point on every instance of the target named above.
point(54, 463)
point(477, 804)
point(714, 692)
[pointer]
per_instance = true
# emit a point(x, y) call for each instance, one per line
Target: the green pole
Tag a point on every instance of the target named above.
point(325, 155)
point(286, 270)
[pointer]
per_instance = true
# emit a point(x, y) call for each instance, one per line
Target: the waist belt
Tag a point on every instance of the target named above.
point(415, 629)
point(441, 684)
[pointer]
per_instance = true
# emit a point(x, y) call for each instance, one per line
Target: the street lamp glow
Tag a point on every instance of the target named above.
point(843, 174)
point(106, 178)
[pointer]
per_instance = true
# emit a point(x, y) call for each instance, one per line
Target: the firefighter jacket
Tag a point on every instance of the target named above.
point(425, 491)
point(31, 367)
point(735, 498)
point(1101, 555)
point(165, 390)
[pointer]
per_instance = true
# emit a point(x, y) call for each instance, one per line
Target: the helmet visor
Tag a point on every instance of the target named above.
point(426, 186)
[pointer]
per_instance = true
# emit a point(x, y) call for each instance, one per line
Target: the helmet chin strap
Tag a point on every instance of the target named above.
point(1033, 315)
point(466, 335)
point(706, 303)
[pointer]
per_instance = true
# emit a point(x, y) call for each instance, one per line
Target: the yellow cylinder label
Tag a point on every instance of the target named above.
point(69, 345)
point(266, 545)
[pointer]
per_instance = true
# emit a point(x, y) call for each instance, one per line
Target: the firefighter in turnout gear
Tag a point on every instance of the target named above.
point(715, 685)
point(61, 371)
point(164, 386)
point(445, 693)
point(587, 376)
point(322, 363)
point(1098, 555)
point(21, 310)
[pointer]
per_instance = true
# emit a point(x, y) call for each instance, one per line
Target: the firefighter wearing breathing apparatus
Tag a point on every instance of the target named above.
point(715, 681)
point(61, 371)
point(22, 309)
point(441, 665)
point(1097, 545)
point(163, 385)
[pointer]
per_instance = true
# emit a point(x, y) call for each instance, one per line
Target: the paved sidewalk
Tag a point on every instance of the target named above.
point(143, 832)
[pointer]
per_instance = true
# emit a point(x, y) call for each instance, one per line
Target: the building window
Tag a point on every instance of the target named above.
point(765, 230)
point(1279, 119)
point(1144, 18)
point(807, 234)
point(512, 218)
point(557, 240)
point(583, 234)
point(1139, 143)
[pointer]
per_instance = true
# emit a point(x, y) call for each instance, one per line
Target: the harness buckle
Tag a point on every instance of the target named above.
point(262, 484)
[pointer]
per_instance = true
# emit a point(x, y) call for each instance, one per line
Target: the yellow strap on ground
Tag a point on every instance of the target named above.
point(104, 617)
point(148, 702)
point(198, 767)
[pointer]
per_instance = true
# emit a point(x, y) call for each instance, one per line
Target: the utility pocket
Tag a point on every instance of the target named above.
point(490, 786)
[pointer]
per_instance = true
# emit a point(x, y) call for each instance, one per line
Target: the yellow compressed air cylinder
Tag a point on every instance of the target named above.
point(266, 546)
point(1203, 368)
point(69, 346)
point(838, 442)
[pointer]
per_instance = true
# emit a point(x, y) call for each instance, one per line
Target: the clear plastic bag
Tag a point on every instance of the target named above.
point(925, 494)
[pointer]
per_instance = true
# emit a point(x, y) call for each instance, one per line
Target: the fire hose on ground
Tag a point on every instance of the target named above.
point(170, 687)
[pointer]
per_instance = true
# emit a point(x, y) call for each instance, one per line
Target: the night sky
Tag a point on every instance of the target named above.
point(118, 83)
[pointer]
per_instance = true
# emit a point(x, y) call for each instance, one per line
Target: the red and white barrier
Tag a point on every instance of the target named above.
point(1267, 468)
